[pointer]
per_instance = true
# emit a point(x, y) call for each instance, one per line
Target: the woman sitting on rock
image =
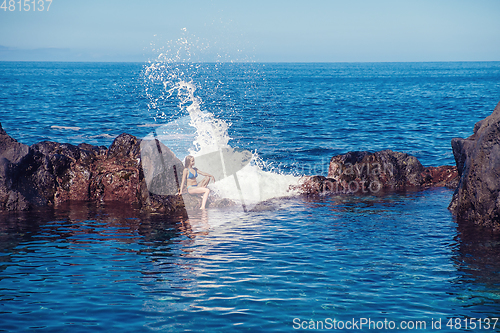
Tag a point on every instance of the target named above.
point(189, 177)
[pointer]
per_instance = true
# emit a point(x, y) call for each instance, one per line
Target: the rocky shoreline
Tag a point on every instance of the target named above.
point(50, 173)
point(363, 172)
point(476, 200)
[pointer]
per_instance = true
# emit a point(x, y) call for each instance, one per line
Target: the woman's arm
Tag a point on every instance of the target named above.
point(205, 174)
point(184, 175)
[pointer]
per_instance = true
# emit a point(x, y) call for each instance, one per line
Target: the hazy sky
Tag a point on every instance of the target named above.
point(256, 30)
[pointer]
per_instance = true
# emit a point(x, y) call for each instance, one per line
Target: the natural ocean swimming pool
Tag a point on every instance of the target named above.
point(398, 257)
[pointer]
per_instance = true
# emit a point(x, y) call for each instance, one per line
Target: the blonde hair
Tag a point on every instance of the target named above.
point(188, 161)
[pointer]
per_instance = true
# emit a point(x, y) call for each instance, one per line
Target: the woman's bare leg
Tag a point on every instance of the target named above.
point(200, 190)
point(204, 182)
point(205, 197)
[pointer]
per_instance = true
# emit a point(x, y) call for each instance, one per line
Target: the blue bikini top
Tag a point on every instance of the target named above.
point(190, 175)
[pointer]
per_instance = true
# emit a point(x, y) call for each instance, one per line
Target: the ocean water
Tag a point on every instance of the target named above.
point(395, 257)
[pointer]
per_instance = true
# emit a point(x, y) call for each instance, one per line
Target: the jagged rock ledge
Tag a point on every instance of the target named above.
point(363, 172)
point(476, 201)
point(50, 173)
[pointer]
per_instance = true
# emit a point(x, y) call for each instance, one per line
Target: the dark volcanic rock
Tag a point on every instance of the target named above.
point(442, 176)
point(318, 185)
point(374, 171)
point(476, 200)
point(370, 173)
point(50, 173)
point(11, 153)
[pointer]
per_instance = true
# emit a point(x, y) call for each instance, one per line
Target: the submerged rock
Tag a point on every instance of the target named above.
point(442, 176)
point(318, 185)
point(476, 200)
point(370, 173)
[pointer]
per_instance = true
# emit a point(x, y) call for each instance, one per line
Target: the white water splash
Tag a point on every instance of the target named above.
point(249, 184)
point(211, 133)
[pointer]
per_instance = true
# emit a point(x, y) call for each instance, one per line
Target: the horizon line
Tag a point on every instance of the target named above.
point(246, 62)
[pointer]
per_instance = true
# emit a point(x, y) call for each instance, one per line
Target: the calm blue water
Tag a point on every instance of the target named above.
point(398, 257)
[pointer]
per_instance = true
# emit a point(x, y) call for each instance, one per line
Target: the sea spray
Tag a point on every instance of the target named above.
point(211, 133)
point(172, 91)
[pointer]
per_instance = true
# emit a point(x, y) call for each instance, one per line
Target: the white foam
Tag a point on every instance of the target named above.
point(249, 185)
point(256, 185)
point(106, 136)
point(150, 125)
point(72, 128)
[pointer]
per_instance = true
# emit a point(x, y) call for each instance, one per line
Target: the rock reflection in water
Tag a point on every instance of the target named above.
point(478, 258)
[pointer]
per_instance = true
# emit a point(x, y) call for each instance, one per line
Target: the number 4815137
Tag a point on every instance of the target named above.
point(26, 5)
